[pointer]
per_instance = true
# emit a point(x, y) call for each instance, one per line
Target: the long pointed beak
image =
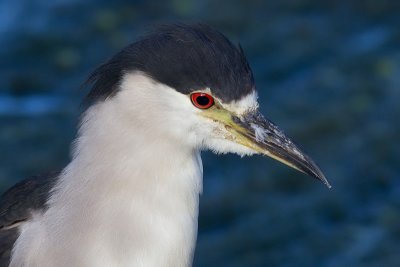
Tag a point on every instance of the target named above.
point(261, 135)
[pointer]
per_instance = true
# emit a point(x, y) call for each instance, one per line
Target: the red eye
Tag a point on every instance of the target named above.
point(202, 100)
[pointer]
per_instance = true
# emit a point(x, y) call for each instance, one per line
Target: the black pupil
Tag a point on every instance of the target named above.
point(203, 100)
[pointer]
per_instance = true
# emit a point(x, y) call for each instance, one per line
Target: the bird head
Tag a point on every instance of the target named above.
point(190, 83)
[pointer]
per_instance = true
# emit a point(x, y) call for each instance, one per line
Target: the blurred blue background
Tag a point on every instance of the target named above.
point(328, 72)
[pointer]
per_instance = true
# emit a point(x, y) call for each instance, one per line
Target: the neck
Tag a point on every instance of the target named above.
point(126, 199)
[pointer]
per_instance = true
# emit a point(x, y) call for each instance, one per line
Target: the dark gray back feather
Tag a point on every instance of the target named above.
point(17, 205)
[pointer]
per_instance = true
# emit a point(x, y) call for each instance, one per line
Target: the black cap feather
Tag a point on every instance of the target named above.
point(184, 57)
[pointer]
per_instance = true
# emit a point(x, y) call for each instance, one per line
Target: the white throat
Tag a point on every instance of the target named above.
point(130, 195)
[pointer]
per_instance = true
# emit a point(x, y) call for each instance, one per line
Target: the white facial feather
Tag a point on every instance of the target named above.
point(217, 138)
point(246, 104)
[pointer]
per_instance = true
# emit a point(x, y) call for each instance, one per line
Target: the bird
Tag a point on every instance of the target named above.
point(130, 194)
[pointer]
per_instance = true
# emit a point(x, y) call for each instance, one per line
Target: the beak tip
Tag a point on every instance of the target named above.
point(314, 171)
point(325, 181)
point(320, 176)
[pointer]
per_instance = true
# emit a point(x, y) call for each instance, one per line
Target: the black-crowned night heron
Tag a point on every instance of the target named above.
point(130, 195)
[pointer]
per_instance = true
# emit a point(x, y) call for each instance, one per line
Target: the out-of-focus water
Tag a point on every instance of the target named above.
point(328, 72)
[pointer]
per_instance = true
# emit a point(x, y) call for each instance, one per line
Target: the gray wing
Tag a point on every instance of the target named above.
point(16, 206)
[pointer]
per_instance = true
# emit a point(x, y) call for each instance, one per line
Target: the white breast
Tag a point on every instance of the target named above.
point(129, 197)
